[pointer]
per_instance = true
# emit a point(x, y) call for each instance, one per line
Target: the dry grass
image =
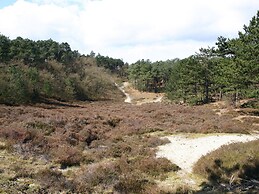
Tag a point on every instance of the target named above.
point(232, 167)
point(17, 173)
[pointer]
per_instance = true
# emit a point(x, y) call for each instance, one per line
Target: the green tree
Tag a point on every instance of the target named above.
point(17, 91)
point(116, 66)
point(4, 48)
point(242, 62)
point(148, 76)
point(248, 53)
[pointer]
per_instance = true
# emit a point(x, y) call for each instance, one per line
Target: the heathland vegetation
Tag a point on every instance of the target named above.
point(64, 127)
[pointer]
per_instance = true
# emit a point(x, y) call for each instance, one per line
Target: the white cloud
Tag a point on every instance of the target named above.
point(57, 2)
point(129, 29)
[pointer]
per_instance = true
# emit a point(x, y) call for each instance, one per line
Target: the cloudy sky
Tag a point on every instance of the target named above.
point(128, 29)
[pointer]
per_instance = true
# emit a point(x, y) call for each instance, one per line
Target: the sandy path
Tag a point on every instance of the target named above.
point(122, 88)
point(185, 150)
point(134, 96)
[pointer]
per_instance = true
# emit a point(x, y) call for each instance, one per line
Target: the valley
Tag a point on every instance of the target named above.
point(119, 141)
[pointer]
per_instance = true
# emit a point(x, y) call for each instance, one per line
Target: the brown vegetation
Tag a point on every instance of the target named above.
point(232, 167)
point(110, 146)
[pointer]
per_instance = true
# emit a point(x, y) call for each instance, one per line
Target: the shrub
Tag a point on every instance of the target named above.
point(119, 149)
point(13, 135)
point(153, 141)
point(53, 181)
point(67, 156)
point(233, 164)
point(88, 136)
point(96, 176)
point(23, 84)
point(155, 166)
point(45, 128)
point(113, 122)
point(132, 182)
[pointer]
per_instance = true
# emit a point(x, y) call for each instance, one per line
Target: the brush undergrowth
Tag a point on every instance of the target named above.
point(99, 147)
point(232, 167)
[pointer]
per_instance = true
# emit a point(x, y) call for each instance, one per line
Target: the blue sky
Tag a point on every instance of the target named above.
point(128, 29)
point(4, 3)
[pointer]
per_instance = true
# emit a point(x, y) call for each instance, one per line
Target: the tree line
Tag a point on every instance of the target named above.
point(151, 76)
point(31, 71)
point(35, 52)
point(230, 69)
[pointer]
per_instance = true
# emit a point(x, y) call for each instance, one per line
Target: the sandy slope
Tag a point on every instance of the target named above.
point(185, 150)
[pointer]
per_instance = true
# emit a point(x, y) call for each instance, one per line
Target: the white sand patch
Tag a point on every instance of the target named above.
point(185, 150)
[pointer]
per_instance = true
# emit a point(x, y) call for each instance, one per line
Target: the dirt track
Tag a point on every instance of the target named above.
point(134, 96)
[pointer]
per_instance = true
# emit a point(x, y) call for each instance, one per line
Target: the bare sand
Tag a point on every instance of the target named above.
point(186, 149)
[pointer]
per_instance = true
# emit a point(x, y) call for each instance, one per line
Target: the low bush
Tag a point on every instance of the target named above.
point(53, 181)
point(155, 166)
point(131, 183)
point(45, 128)
point(23, 84)
point(67, 156)
point(100, 176)
point(13, 135)
point(113, 122)
point(232, 166)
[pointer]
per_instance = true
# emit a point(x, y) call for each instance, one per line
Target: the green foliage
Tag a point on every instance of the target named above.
point(35, 70)
point(49, 69)
point(192, 79)
point(230, 70)
point(184, 80)
point(35, 52)
point(152, 77)
point(18, 85)
point(4, 48)
point(242, 65)
point(116, 66)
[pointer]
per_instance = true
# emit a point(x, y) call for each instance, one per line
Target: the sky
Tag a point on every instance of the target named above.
point(128, 29)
